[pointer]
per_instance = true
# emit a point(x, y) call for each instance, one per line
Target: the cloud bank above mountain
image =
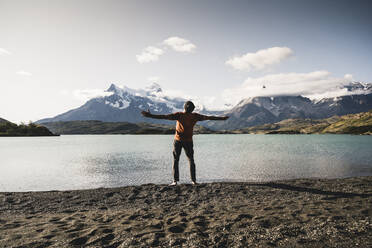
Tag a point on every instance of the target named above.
point(316, 84)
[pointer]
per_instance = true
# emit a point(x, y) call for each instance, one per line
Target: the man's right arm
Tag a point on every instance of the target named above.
point(173, 116)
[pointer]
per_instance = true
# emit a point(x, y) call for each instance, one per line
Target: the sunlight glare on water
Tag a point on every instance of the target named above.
point(92, 161)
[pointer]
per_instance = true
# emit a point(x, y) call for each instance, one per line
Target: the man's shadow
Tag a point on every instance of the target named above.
point(331, 195)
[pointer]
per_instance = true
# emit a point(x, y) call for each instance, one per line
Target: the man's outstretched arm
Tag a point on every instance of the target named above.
point(164, 117)
point(217, 118)
point(212, 118)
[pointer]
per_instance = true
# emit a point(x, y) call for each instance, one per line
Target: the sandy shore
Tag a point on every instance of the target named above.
point(294, 213)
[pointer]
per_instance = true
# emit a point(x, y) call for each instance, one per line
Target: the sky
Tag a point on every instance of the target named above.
point(54, 55)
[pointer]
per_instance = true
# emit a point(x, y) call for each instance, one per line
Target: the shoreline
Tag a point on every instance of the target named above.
point(195, 134)
point(185, 183)
point(284, 213)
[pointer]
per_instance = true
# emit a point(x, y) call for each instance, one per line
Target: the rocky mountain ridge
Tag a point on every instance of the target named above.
point(123, 104)
point(262, 110)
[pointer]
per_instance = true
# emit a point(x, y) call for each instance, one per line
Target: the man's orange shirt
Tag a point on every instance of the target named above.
point(185, 124)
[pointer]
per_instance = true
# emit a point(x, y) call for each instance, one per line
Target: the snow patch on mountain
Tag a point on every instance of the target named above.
point(153, 92)
point(120, 104)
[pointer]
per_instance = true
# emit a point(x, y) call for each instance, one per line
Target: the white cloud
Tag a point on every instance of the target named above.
point(179, 44)
point(4, 51)
point(315, 85)
point(149, 54)
point(64, 92)
point(24, 73)
point(153, 79)
point(87, 94)
point(349, 76)
point(260, 59)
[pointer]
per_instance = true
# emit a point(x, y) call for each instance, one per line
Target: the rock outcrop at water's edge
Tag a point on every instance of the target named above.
point(294, 213)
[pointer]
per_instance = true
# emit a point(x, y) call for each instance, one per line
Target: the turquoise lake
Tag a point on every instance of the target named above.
point(93, 161)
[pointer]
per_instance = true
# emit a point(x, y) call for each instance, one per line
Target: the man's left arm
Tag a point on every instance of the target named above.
point(211, 117)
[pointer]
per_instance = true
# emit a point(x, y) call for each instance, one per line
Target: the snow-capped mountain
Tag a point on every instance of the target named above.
point(152, 97)
point(261, 110)
point(125, 104)
point(357, 88)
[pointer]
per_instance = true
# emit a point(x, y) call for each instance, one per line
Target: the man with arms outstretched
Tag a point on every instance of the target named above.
point(183, 138)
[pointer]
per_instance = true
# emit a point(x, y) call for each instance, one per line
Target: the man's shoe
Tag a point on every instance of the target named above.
point(194, 183)
point(173, 184)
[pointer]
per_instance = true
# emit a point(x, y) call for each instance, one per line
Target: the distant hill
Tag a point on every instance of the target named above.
point(360, 123)
point(99, 127)
point(352, 124)
point(10, 130)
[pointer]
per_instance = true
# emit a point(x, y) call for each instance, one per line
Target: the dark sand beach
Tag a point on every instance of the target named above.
point(292, 213)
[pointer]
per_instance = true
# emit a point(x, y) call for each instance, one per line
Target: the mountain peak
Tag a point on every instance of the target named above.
point(359, 87)
point(113, 88)
point(154, 87)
